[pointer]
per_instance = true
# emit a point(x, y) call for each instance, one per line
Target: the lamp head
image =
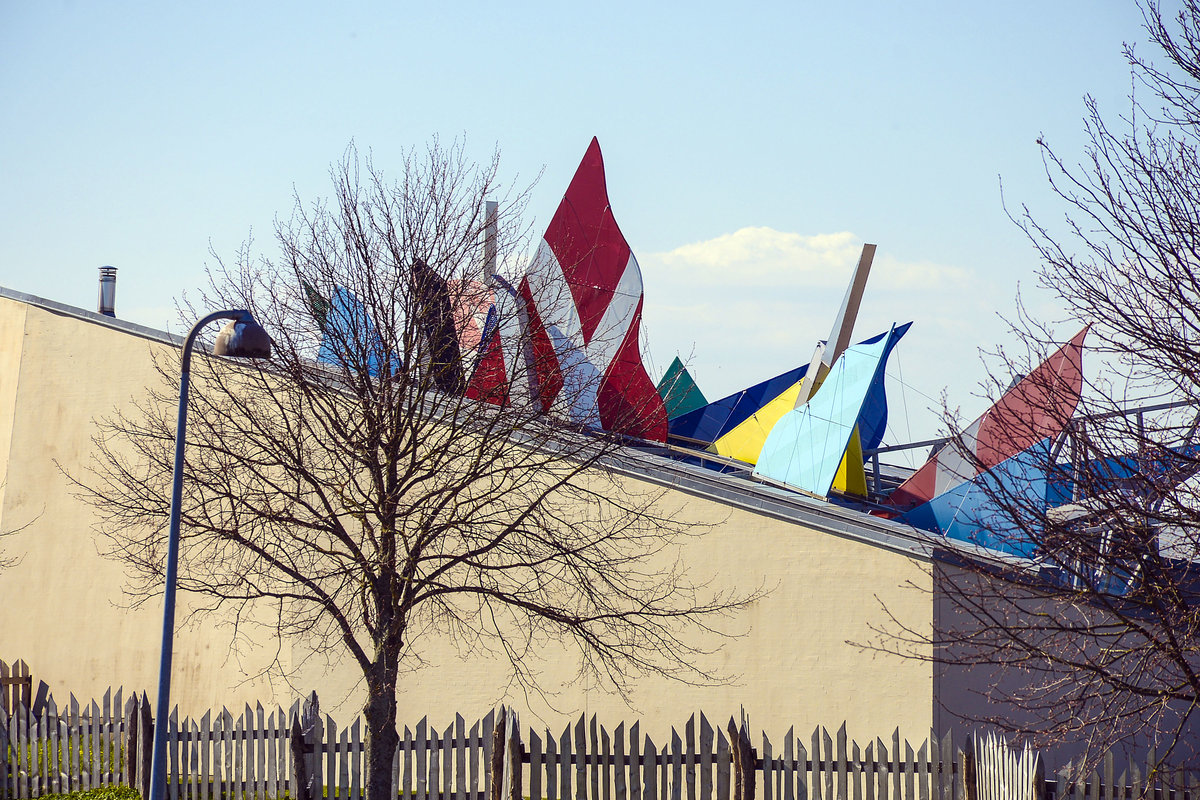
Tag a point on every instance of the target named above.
point(243, 338)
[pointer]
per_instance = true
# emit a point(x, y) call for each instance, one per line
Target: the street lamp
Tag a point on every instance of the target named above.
point(241, 338)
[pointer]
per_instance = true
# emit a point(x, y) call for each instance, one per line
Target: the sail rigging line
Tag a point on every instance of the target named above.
point(904, 387)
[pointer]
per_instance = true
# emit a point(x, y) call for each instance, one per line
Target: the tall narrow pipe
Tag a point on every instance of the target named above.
point(107, 304)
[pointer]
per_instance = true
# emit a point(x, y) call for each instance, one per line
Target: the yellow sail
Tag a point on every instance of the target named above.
point(745, 441)
point(851, 477)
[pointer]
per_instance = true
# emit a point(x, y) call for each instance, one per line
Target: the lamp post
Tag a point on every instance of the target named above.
point(241, 338)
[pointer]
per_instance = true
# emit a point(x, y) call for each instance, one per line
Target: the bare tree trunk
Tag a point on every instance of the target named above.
point(382, 738)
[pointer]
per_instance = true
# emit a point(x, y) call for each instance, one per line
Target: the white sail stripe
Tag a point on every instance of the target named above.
point(583, 365)
point(547, 273)
point(553, 300)
point(617, 319)
point(510, 328)
point(953, 467)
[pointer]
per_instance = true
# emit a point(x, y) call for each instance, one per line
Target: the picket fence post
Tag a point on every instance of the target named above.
point(305, 742)
point(142, 736)
point(744, 757)
point(513, 756)
point(496, 789)
point(131, 741)
point(300, 777)
point(506, 757)
point(146, 745)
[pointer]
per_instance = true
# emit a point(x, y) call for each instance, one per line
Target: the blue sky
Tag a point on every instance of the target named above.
point(750, 150)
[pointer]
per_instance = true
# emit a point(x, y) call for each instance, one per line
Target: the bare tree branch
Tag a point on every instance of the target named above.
point(354, 487)
point(1093, 633)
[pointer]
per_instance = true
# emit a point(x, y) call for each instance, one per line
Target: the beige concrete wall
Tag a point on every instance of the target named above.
point(62, 608)
point(63, 604)
point(794, 666)
point(12, 341)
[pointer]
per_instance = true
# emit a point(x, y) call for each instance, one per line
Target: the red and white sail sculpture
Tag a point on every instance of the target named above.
point(1036, 408)
point(582, 304)
point(501, 355)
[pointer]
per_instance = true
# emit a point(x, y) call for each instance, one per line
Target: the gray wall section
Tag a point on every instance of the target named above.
point(968, 698)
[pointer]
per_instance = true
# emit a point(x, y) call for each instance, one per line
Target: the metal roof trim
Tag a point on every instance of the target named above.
point(91, 316)
point(640, 463)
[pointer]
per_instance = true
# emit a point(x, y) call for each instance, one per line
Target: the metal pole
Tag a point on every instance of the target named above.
point(158, 760)
point(491, 226)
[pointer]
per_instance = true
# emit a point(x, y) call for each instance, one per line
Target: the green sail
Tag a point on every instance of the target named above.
point(679, 392)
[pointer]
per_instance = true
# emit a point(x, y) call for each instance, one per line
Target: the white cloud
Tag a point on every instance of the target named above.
point(751, 304)
point(888, 272)
point(761, 256)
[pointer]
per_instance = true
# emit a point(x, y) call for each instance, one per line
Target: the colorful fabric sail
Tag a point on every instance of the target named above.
point(872, 424)
point(318, 304)
point(851, 477)
point(583, 297)
point(1036, 408)
point(435, 315)
point(970, 512)
point(711, 422)
point(806, 447)
point(474, 315)
point(679, 392)
point(500, 370)
point(1141, 476)
point(745, 440)
point(348, 337)
point(451, 318)
point(476, 321)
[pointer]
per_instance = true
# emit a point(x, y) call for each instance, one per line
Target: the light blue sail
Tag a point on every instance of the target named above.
point(806, 446)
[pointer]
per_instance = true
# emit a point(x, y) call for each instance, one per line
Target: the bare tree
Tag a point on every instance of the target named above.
point(354, 487)
point(1092, 629)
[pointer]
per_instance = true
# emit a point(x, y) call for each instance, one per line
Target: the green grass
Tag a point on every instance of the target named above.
point(103, 793)
point(47, 759)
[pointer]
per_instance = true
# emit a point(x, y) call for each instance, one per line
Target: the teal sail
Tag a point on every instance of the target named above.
point(679, 392)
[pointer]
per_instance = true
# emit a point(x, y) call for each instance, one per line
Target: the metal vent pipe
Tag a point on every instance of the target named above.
point(108, 292)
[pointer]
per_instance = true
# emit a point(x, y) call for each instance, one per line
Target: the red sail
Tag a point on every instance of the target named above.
point(584, 297)
point(1037, 407)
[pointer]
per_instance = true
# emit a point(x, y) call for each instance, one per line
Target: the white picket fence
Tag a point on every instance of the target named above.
point(222, 755)
point(78, 747)
point(251, 757)
point(248, 756)
point(1003, 773)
